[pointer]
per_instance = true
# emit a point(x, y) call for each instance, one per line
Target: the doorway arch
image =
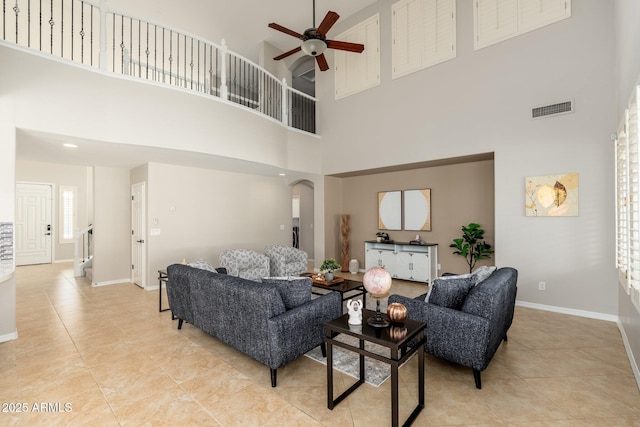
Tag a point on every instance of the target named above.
point(302, 194)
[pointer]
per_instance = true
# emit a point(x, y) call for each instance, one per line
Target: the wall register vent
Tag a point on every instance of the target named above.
point(552, 110)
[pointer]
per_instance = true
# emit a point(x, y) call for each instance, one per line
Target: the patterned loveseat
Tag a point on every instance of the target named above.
point(466, 320)
point(286, 260)
point(273, 322)
point(245, 263)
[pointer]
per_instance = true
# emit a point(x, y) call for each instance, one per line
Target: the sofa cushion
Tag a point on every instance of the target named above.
point(294, 291)
point(450, 292)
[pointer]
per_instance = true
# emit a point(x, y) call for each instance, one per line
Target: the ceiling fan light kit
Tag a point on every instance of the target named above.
point(314, 47)
point(314, 40)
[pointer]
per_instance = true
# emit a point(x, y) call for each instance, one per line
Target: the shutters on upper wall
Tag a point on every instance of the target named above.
point(355, 72)
point(498, 20)
point(424, 34)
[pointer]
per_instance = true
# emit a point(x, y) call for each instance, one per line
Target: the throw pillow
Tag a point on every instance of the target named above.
point(483, 272)
point(202, 264)
point(447, 276)
point(294, 291)
point(450, 293)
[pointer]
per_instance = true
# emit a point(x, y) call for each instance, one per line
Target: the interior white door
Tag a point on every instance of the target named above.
point(33, 224)
point(138, 234)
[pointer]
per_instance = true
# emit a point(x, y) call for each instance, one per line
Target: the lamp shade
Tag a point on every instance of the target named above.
point(313, 47)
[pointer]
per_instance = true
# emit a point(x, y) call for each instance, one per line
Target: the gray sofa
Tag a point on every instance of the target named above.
point(250, 316)
point(468, 328)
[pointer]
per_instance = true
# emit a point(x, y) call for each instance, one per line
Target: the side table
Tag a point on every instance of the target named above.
point(400, 352)
point(163, 277)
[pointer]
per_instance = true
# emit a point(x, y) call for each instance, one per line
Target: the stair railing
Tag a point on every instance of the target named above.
point(88, 32)
point(83, 249)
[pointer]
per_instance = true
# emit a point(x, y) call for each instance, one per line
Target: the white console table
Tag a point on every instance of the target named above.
point(403, 260)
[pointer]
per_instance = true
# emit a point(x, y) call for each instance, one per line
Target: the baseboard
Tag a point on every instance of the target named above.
point(632, 360)
point(9, 337)
point(111, 282)
point(151, 288)
point(60, 261)
point(571, 311)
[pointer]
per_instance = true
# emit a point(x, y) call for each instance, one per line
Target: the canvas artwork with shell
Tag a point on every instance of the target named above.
point(552, 195)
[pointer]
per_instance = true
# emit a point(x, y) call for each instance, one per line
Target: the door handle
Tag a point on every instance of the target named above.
point(140, 241)
point(47, 234)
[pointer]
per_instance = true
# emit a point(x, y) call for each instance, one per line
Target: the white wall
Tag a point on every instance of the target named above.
point(65, 175)
point(481, 102)
point(112, 230)
point(8, 329)
point(201, 212)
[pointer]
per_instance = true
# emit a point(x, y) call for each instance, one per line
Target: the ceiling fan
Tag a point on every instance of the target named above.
point(314, 40)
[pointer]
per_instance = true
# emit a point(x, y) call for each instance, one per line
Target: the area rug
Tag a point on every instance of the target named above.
point(348, 362)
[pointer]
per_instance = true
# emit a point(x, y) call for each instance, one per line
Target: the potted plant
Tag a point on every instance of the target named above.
point(381, 236)
point(471, 245)
point(328, 266)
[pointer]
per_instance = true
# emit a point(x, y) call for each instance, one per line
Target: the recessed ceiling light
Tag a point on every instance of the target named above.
point(70, 145)
point(282, 174)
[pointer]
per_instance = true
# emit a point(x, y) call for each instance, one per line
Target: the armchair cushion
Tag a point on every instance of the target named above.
point(286, 260)
point(450, 293)
point(245, 263)
point(294, 291)
point(202, 264)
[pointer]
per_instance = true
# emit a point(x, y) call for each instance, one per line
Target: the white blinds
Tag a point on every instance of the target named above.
point(634, 193)
point(424, 34)
point(622, 203)
point(628, 196)
point(355, 72)
point(498, 20)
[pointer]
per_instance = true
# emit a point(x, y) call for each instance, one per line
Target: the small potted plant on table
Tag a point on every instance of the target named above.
point(328, 266)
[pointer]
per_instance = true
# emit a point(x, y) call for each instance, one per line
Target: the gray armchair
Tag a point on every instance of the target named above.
point(469, 333)
point(245, 263)
point(286, 260)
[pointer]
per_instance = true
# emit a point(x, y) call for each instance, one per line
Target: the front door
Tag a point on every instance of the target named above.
point(33, 224)
point(138, 234)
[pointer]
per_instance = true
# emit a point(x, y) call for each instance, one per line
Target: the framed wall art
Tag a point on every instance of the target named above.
point(551, 195)
point(417, 210)
point(389, 210)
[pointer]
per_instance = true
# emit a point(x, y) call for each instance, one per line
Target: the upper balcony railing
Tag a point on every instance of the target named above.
point(86, 32)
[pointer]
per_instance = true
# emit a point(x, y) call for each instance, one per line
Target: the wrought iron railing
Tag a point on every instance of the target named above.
point(84, 32)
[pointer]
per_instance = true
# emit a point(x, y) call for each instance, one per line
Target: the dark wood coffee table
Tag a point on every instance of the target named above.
point(348, 289)
point(394, 340)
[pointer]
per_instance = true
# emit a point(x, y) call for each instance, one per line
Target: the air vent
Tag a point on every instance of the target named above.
point(552, 110)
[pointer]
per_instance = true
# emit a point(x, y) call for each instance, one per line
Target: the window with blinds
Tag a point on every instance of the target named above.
point(355, 72)
point(628, 197)
point(67, 214)
point(499, 20)
point(424, 34)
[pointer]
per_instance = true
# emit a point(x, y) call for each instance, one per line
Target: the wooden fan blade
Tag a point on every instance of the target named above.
point(327, 23)
point(322, 62)
point(284, 55)
point(349, 47)
point(285, 30)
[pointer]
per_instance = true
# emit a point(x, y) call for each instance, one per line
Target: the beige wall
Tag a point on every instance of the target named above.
point(65, 175)
point(112, 232)
point(460, 194)
point(201, 212)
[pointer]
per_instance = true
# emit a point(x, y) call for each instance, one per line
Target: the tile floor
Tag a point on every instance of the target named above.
point(110, 357)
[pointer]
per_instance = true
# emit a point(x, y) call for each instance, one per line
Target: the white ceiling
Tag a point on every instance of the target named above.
point(245, 33)
point(244, 26)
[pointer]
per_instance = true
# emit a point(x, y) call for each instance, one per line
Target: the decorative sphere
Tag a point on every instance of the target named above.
point(397, 312)
point(377, 281)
